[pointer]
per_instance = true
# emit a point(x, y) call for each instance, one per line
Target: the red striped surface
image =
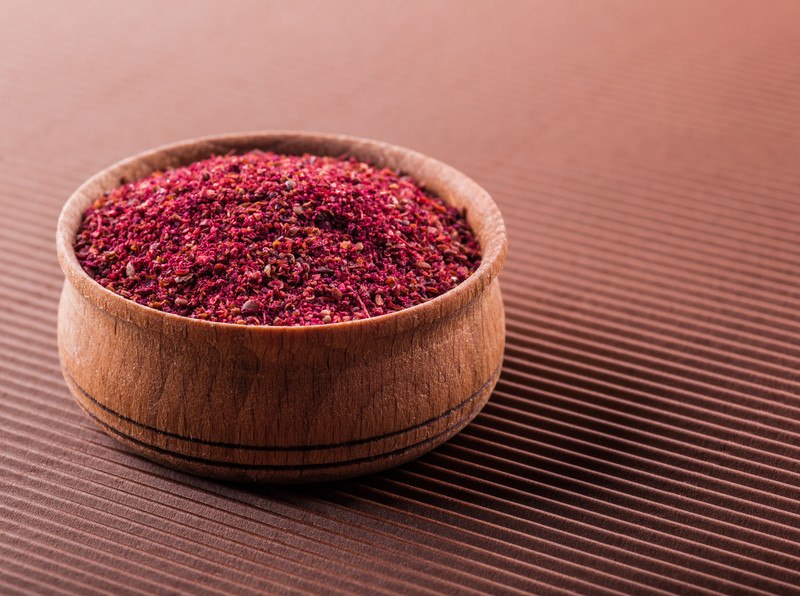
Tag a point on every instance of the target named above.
point(645, 433)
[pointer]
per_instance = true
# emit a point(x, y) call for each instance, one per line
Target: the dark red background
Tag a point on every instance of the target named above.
point(644, 435)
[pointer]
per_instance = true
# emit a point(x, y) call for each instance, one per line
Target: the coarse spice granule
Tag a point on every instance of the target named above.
point(270, 239)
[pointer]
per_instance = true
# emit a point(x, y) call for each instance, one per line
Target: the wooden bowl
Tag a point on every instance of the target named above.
point(284, 404)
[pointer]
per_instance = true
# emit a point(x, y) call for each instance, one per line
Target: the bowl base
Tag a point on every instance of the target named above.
point(271, 464)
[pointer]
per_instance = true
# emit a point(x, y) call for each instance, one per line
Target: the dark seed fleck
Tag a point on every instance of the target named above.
point(251, 307)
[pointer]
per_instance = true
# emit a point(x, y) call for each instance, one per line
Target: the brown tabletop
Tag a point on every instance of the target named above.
point(645, 432)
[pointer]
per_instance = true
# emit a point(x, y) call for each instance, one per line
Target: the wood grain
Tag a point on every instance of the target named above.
point(284, 404)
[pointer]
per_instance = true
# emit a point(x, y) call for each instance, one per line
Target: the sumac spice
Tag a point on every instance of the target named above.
point(269, 239)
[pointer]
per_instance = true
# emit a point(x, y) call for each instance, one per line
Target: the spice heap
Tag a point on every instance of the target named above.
point(269, 239)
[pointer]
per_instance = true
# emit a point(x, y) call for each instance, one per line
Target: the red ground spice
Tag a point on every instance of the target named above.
point(269, 239)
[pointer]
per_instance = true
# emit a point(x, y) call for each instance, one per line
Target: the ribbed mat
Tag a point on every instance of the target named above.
point(645, 433)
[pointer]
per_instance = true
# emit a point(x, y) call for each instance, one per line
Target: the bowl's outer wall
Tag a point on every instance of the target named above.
point(284, 404)
point(280, 410)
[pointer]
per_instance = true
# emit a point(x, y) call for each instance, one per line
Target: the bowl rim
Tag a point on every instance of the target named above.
point(426, 169)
